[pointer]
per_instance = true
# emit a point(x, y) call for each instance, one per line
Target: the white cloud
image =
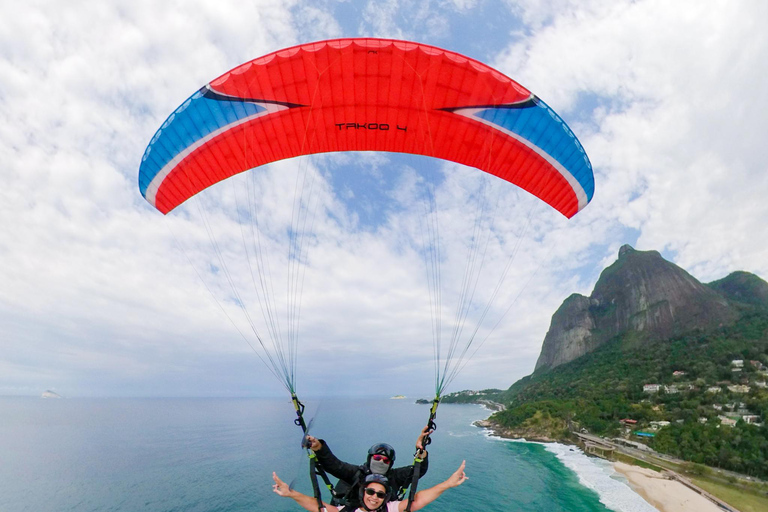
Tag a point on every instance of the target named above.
point(679, 112)
point(668, 99)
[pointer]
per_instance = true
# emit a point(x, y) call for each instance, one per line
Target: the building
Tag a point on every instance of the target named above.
point(714, 389)
point(651, 388)
point(738, 388)
point(728, 422)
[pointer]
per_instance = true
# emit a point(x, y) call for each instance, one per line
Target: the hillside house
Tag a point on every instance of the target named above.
point(752, 419)
point(714, 389)
point(651, 388)
point(738, 388)
point(678, 373)
point(656, 425)
point(737, 363)
point(728, 422)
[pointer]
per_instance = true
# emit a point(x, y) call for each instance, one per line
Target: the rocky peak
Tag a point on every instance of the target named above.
point(624, 249)
point(641, 292)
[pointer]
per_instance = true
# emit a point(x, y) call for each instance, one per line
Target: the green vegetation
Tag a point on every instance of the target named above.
point(469, 397)
point(745, 500)
point(626, 459)
point(598, 390)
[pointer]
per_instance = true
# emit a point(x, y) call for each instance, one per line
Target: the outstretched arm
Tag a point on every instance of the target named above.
point(426, 431)
point(331, 464)
point(403, 476)
point(421, 450)
point(427, 496)
point(308, 502)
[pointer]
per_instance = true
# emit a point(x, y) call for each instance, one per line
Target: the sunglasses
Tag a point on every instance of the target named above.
point(379, 494)
point(382, 458)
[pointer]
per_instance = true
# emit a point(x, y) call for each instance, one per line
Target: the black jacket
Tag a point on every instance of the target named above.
point(350, 476)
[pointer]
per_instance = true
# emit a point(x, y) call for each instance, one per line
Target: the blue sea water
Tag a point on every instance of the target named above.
point(180, 454)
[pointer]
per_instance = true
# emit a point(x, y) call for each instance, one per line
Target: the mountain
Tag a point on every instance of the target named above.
point(653, 352)
point(644, 298)
point(743, 287)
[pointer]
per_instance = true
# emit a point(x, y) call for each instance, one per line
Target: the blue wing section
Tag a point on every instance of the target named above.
point(540, 125)
point(193, 121)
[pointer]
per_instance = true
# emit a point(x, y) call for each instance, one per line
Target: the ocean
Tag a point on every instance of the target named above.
point(218, 454)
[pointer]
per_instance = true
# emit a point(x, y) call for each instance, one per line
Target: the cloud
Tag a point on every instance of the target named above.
point(102, 295)
point(675, 111)
point(82, 94)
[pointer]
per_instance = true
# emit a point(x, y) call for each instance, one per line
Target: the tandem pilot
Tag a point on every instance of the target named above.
point(375, 494)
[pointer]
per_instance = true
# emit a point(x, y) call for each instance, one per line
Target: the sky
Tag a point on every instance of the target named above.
point(101, 295)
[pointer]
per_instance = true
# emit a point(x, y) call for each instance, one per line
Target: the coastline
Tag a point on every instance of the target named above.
point(595, 474)
point(494, 429)
point(659, 490)
point(662, 492)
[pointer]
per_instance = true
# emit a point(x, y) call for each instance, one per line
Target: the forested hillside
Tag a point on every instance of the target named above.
point(700, 411)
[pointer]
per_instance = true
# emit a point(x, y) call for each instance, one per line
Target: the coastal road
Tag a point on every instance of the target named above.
point(653, 457)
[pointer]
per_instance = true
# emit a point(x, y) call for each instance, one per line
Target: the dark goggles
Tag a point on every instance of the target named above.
point(371, 492)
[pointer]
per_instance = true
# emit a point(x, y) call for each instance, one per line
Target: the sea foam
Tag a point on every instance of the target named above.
point(596, 474)
point(599, 475)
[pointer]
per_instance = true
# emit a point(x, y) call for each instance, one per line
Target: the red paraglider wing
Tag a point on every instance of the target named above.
point(366, 95)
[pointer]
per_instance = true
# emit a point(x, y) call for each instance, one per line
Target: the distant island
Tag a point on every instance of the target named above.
point(397, 397)
point(50, 394)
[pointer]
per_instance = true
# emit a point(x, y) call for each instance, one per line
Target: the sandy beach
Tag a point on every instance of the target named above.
point(664, 494)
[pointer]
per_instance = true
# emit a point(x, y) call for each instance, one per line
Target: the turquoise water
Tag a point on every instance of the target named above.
point(218, 455)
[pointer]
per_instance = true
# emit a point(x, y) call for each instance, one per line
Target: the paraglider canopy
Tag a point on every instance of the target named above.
point(365, 94)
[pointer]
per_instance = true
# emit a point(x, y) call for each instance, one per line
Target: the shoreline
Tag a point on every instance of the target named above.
point(662, 492)
point(659, 490)
point(497, 430)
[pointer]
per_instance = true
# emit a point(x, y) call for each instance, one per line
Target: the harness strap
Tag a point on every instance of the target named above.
point(414, 482)
point(431, 422)
point(417, 460)
point(313, 477)
point(315, 468)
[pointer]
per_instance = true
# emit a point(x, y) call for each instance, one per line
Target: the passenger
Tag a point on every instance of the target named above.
point(374, 494)
point(381, 458)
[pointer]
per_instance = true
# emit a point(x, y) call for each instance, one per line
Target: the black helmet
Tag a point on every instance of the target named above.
point(381, 449)
point(379, 479)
